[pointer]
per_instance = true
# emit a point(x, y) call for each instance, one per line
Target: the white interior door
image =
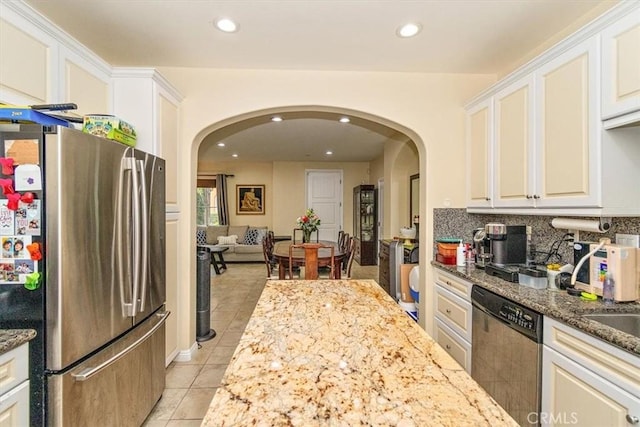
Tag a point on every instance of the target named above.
point(324, 196)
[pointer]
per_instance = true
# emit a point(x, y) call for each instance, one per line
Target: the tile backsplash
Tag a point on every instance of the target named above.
point(460, 224)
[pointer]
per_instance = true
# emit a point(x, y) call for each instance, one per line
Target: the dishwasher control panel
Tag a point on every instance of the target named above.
point(518, 315)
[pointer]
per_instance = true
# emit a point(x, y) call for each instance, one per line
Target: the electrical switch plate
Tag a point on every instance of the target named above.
point(632, 240)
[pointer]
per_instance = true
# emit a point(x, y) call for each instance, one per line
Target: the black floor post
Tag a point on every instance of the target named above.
point(203, 297)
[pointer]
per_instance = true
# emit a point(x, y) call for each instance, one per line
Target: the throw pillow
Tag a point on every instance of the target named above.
point(201, 236)
point(238, 230)
point(227, 240)
point(254, 236)
point(215, 231)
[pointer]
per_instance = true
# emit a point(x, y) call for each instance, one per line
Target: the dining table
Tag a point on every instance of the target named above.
point(281, 255)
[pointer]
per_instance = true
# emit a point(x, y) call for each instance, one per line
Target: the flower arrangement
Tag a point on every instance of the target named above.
point(308, 222)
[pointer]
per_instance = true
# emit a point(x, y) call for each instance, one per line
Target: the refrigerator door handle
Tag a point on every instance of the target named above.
point(144, 222)
point(127, 306)
point(136, 233)
point(87, 373)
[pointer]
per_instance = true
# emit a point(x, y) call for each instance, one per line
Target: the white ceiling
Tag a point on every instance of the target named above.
point(458, 36)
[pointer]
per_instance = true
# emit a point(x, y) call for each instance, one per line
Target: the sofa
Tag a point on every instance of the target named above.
point(244, 242)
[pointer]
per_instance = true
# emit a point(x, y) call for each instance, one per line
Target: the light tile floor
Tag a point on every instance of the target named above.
point(190, 386)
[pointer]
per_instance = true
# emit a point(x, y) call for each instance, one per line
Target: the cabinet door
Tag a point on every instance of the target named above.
point(621, 67)
point(568, 143)
point(454, 344)
point(513, 176)
point(14, 406)
point(479, 154)
point(573, 395)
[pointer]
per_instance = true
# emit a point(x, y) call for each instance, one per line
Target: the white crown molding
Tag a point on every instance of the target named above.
point(591, 29)
point(147, 73)
point(34, 17)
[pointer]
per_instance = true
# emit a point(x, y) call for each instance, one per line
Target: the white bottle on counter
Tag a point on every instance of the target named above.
point(461, 253)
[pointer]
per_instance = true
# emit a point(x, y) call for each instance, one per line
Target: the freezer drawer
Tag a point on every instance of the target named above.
point(118, 386)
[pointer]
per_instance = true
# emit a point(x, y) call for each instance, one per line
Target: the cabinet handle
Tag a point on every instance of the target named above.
point(535, 196)
point(529, 196)
point(448, 347)
point(487, 198)
point(448, 310)
point(632, 419)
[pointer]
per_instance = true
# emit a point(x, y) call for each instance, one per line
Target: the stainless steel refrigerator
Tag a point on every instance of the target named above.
point(98, 218)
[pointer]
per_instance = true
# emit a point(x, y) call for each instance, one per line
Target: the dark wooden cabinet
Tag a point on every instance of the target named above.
point(365, 224)
point(384, 266)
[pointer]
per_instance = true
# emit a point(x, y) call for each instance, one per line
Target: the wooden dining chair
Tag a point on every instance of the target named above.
point(350, 254)
point(267, 251)
point(311, 259)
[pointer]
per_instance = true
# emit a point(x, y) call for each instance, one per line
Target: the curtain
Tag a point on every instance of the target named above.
point(223, 204)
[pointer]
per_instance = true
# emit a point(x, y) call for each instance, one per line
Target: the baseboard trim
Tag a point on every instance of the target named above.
point(186, 355)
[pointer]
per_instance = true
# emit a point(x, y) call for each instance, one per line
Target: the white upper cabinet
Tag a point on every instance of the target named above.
point(514, 145)
point(479, 154)
point(541, 128)
point(568, 142)
point(621, 71)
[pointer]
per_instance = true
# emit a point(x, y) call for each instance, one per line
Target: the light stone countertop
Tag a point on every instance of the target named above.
point(12, 338)
point(556, 304)
point(343, 353)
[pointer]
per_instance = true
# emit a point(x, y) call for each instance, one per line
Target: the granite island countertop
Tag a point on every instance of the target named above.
point(343, 353)
point(556, 304)
point(12, 338)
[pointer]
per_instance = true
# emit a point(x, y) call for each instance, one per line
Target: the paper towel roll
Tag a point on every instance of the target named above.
point(581, 224)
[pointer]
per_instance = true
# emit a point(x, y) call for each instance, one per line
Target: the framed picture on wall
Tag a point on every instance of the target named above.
point(249, 199)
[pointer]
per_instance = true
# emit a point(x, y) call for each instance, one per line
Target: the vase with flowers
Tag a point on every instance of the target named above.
point(308, 223)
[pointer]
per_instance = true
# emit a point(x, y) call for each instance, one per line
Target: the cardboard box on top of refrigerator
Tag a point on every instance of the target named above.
point(110, 127)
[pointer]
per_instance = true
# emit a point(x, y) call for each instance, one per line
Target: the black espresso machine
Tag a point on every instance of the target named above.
point(508, 248)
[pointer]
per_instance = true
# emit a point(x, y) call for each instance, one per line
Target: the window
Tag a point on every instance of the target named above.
point(206, 202)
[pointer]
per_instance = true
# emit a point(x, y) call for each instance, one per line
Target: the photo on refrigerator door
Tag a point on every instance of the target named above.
point(15, 263)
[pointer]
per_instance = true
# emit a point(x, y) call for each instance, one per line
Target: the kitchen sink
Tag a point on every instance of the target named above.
point(625, 322)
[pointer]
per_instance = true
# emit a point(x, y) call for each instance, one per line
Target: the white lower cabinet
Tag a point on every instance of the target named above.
point(586, 381)
point(454, 344)
point(14, 387)
point(453, 317)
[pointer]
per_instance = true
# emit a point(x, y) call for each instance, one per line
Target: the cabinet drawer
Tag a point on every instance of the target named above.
point(454, 312)
point(14, 368)
point(453, 344)
point(618, 366)
point(14, 407)
point(459, 286)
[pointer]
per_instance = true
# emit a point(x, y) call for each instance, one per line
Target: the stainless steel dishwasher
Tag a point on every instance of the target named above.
point(506, 353)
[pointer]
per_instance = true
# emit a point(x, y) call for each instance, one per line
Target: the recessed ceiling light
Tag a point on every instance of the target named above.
point(328, 153)
point(276, 119)
point(234, 155)
point(226, 25)
point(408, 30)
point(344, 120)
point(220, 144)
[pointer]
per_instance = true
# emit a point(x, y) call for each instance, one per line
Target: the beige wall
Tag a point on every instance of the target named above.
point(428, 108)
point(564, 33)
point(284, 189)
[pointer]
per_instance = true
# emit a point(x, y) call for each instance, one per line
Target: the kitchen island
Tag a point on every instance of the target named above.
point(343, 353)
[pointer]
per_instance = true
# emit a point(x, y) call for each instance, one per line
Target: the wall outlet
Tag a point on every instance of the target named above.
point(632, 240)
